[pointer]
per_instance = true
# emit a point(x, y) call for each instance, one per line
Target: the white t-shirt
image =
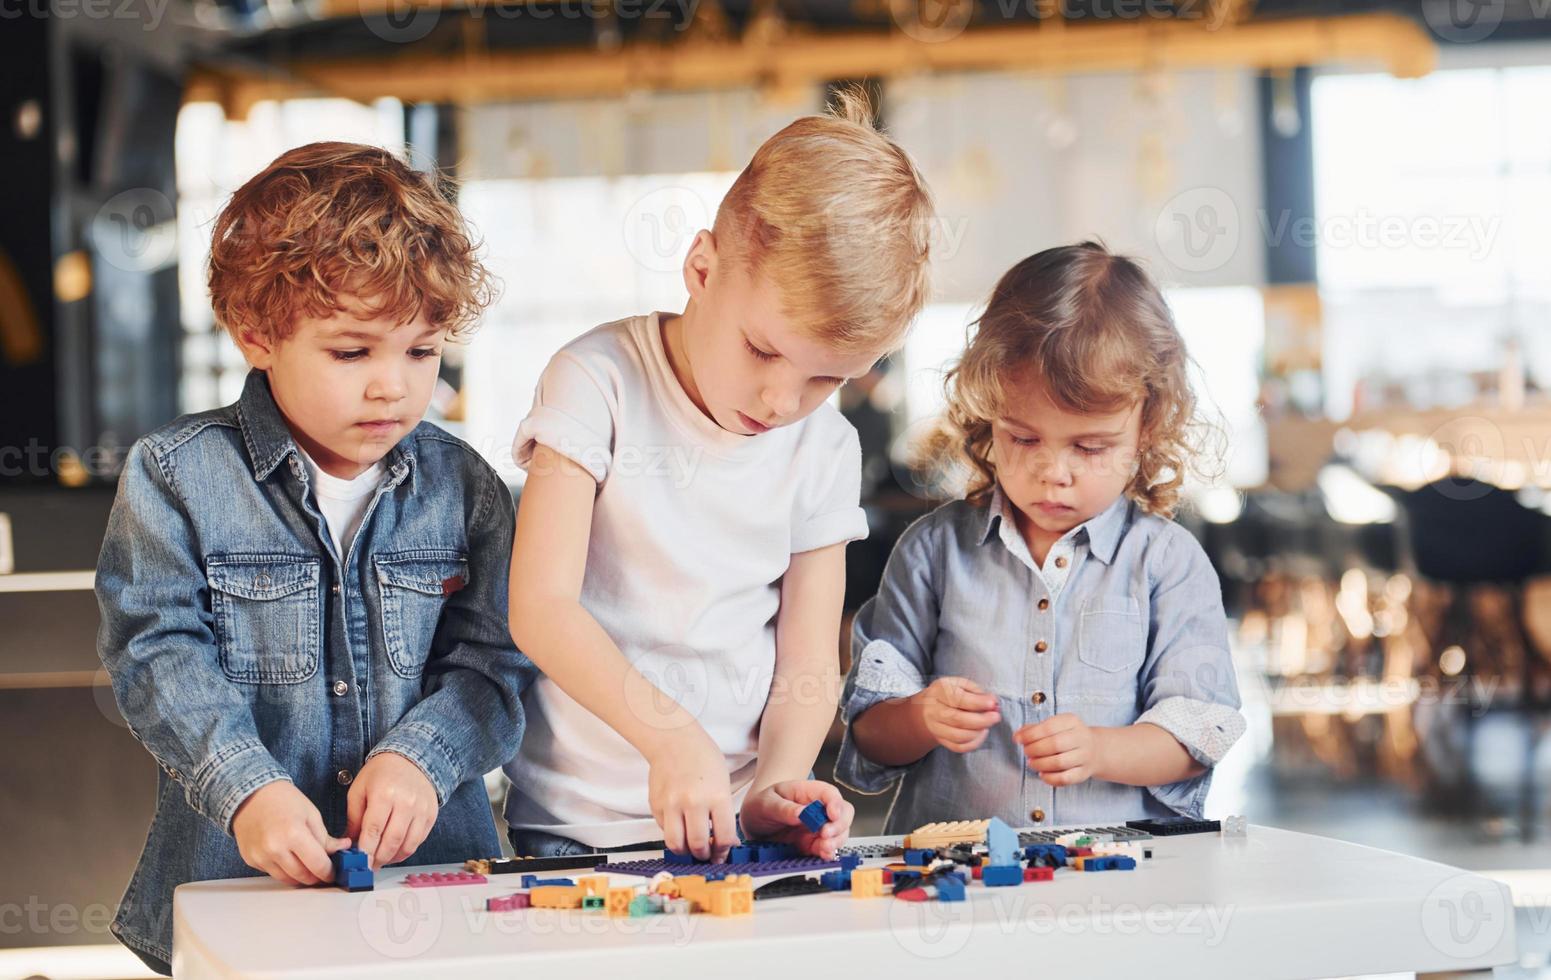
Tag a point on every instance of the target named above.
point(343, 502)
point(692, 529)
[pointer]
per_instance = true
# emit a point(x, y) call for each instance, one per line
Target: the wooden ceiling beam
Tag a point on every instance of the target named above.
point(1384, 41)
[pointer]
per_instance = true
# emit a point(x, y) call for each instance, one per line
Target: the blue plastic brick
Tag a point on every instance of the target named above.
point(674, 857)
point(950, 888)
point(528, 880)
point(775, 852)
point(352, 872)
point(1110, 862)
point(919, 855)
point(757, 869)
point(1001, 875)
point(849, 861)
point(814, 816)
point(1045, 855)
point(836, 881)
point(742, 854)
point(1002, 842)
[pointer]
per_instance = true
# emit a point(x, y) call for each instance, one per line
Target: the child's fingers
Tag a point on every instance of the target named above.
point(355, 810)
point(315, 860)
point(965, 741)
point(296, 872)
point(1058, 762)
point(672, 824)
point(419, 827)
point(1046, 728)
point(966, 695)
point(373, 821)
point(1068, 777)
point(697, 831)
point(724, 829)
point(970, 721)
point(393, 834)
point(1051, 744)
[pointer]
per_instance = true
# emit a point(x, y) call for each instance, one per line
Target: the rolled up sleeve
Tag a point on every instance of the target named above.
point(892, 639)
point(1188, 684)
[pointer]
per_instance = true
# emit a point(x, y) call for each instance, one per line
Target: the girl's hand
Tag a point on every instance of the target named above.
point(958, 713)
point(1063, 749)
point(772, 814)
point(691, 797)
point(280, 833)
point(391, 809)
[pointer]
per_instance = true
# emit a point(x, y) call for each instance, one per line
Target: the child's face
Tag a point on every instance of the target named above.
point(1057, 467)
point(349, 388)
point(754, 370)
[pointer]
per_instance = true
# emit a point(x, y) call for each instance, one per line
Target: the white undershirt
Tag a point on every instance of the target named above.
point(343, 502)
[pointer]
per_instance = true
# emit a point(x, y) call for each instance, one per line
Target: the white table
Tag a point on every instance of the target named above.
point(1273, 904)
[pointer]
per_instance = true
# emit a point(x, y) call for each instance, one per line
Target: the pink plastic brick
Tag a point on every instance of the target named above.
point(508, 903)
point(441, 879)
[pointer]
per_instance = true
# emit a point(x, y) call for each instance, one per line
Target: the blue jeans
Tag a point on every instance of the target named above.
point(537, 843)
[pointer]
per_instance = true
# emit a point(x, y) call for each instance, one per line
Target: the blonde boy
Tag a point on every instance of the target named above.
point(678, 560)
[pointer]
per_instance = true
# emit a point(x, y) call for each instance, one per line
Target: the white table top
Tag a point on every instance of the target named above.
point(1273, 904)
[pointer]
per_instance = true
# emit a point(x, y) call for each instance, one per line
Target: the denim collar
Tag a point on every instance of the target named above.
point(1103, 529)
point(269, 441)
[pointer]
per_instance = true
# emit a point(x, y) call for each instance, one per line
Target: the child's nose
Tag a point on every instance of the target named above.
point(781, 401)
point(387, 387)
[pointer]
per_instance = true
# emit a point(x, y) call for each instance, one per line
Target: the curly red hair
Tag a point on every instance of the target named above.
point(330, 221)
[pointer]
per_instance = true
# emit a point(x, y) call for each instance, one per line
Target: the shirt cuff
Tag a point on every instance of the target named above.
point(881, 672)
point(1206, 729)
point(231, 776)
point(566, 436)
point(426, 749)
point(832, 528)
point(855, 771)
point(1186, 797)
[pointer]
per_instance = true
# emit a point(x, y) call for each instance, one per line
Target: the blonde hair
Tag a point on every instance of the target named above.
point(1095, 332)
point(328, 220)
point(836, 215)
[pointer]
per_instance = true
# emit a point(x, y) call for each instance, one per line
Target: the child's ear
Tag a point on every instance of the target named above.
point(700, 264)
point(257, 349)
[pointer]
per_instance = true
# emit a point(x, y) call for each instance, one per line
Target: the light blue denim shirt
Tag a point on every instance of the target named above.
point(1134, 631)
point(243, 649)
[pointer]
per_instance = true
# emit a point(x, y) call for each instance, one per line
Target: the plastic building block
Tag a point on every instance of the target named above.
point(849, 861)
point(508, 903)
point(814, 816)
point(919, 855)
point(790, 887)
point(593, 884)
point(867, 882)
point(523, 865)
point(836, 881)
point(442, 879)
point(977, 872)
point(352, 872)
point(1038, 874)
point(758, 869)
point(743, 854)
point(950, 888)
point(948, 834)
point(731, 896)
point(1174, 826)
point(644, 905)
point(769, 853)
point(1235, 826)
point(866, 851)
point(677, 906)
point(1045, 855)
point(1001, 841)
point(593, 902)
point(1028, 837)
point(618, 900)
point(1001, 875)
point(556, 897)
point(675, 857)
point(916, 894)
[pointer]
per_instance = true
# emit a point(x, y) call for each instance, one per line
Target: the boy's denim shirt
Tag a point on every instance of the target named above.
point(1135, 633)
point(244, 650)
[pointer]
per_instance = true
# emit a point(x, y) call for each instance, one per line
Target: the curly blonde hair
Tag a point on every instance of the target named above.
point(836, 215)
point(1093, 329)
point(330, 220)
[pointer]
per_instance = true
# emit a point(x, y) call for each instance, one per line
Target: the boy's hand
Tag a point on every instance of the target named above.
point(280, 833)
point(958, 713)
point(772, 814)
point(391, 808)
point(1063, 749)
point(691, 797)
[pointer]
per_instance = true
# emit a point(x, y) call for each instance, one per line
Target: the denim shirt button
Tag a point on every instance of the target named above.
point(334, 588)
point(344, 776)
point(341, 689)
point(1044, 604)
point(1038, 697)
point(1038, 815)
point(1041, 647)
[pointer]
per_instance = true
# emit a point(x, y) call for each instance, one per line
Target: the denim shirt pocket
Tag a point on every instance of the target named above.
point(1112, 639)
point(413, 587)
point(268, 617)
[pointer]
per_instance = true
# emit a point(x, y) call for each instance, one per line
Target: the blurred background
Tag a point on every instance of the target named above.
point(1349, 204)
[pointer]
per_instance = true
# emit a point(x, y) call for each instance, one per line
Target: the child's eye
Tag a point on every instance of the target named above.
point(421, 353)
point(1092, 450)
point(762, 355)
point(1021, 441)
point(348, 355)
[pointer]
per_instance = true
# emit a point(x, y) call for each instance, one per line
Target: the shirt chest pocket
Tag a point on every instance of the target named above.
point(268, 617)
point(1112, 639)
point(413, 588)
